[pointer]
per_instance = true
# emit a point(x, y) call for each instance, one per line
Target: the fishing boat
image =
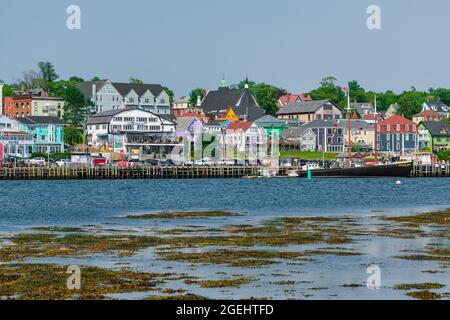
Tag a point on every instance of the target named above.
point(401, 169)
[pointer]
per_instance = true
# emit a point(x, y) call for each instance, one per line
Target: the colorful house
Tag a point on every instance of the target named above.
point(396, 135)
point(307, 111)
point(427, 115)
point(434, 136)
point(271, 124)
point(329, 137)
point(48, 133)
point(437, 106)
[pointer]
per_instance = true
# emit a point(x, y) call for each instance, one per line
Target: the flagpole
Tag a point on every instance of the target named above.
point(349, 125)
point(376, 133)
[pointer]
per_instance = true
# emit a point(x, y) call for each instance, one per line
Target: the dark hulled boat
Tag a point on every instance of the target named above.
point(402, 169)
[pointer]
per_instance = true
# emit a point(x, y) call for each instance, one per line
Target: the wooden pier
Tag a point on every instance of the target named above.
point(94, 173)
point(175, 172)
point(428, 170)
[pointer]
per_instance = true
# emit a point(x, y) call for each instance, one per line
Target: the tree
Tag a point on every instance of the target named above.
point(7, 90)
point(193, 96)
point(136, 81)
point(48, 71)
point(411, 103)
point(170, 93)
point(95, 78)
point(73, 135)
point(76, 106)
point(76, 80)
point(328, 90)
point(442, 95)
point(357, 93)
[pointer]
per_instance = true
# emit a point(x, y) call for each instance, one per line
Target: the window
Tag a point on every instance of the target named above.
point(398, 127)
point(388, 127)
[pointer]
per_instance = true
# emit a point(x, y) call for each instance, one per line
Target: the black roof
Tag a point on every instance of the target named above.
point(40, 120)
point(436, 127)
point(241, 100)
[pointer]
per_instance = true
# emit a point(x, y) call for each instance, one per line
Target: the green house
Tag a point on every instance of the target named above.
point(434, 136)
point(271, 124)
point(48, 133)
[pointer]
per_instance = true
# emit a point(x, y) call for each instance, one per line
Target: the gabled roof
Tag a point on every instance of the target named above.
point(437, 106)
point(40, 120)
point(429, 113)
point(355, 124)
point(184, 123)
point(319, 124)
point(396, 119)
point(241, 125)
point(269, 119)
point(295, 133)
point(304, 107)
point(122, 88)
point(241, 100)
point(291, 98)
point(106, 116)
point(436, 128)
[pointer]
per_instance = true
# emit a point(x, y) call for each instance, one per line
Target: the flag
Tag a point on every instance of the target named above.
point(345, 89)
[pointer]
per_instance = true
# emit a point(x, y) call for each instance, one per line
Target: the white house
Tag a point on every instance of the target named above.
point(133, 132)
point(13, 141)
point(107, 96)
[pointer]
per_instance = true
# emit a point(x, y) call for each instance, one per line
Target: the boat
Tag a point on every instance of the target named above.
point(401, 169)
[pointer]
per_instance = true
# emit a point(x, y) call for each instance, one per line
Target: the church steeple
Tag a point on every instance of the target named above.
point(223, 84)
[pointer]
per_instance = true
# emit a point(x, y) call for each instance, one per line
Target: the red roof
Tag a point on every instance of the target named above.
point(429, 113)
point(396, 119)
point(292, 98)
point(241, 125)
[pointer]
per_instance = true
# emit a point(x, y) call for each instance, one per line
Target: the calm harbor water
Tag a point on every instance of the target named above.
point(26, 204)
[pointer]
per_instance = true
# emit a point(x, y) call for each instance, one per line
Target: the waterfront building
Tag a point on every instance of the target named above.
point(434, 136)
point(14, 143)
point(217, 103)
point(242, 135)
point(427, 115)
point(33, 103)
point(286, 99)
point(329, 136)
point(299, 139)
point(437, 106)
point(107, 96)
point(397, 135)
point(362, 133)
point(48, 133)
point(271, 124)
point(187, 126)
point(307, 111)
point(133, 132)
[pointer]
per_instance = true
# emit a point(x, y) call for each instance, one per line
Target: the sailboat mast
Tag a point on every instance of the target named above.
point(349, 125)
point(376, 132)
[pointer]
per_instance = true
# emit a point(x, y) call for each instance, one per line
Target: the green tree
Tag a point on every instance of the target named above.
point(48, 71)
point(328, 90)
point(136, 81)
point(7, 90)
point(96, 78)
point(411, 103)
point(76, 106)
point(357, 93)
point(76, 80)
point(194, 94)
point(170, 93)
point(73, 135)
point(442, 95)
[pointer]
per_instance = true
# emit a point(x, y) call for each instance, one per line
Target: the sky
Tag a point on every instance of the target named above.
point(184, 44)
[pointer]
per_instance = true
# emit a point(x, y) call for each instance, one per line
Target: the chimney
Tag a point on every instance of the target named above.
point(1, 99)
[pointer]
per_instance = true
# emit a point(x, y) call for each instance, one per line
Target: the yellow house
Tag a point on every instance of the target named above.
point(230, 115)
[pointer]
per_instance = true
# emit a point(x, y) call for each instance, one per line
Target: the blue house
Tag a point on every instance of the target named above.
point(397, 135)
point(329, 136)
point(48, 133)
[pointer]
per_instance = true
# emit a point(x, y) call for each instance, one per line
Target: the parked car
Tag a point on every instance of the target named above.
point(62, 162)
point(39, 161)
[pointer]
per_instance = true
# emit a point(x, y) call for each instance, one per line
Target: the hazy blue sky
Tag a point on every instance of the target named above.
point(189, 43)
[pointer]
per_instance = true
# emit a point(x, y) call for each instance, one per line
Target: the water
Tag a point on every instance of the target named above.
point(26, 204)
